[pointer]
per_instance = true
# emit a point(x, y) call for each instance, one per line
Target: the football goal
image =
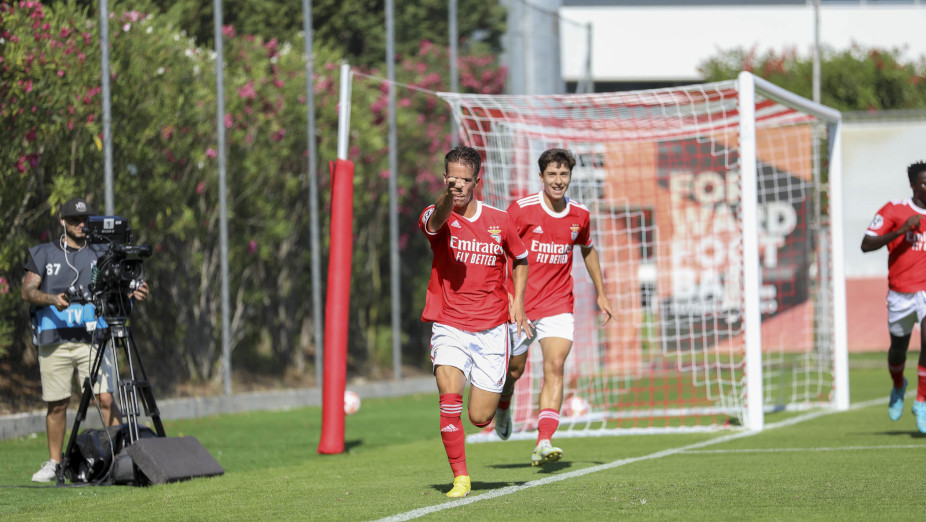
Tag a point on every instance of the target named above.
point(716, 215)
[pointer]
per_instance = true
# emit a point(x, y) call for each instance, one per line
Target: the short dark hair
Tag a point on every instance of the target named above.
point(914, 169)
point(558, 156)
point(466, 156)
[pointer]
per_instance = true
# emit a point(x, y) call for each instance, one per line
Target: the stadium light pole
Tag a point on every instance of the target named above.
point(313, 190)
point(589, 82)
point(223, 203)
point(816, 51)
point(454, 51)
point(109, 193)
point(393, 195)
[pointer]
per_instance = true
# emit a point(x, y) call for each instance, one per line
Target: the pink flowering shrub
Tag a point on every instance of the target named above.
point(165, 166)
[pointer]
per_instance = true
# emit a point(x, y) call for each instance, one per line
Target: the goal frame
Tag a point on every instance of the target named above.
point(751, 405)
point(748, 86)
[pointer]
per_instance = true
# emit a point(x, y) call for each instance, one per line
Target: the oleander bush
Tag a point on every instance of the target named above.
point(166, 179)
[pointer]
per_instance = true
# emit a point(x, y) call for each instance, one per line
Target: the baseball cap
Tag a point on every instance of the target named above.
point(75, 207)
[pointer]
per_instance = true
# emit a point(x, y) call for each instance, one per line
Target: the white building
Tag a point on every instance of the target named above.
point(646, 43)
point(642, 44)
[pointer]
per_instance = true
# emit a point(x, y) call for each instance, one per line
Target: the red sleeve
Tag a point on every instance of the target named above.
point(423, 219)
point(515, 216)
point(584, 238)
point(514, 246)
point(884, 221)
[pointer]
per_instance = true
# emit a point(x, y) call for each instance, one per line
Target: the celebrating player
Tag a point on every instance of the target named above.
point(550, 225)
point(468, 303)
point(899, 226)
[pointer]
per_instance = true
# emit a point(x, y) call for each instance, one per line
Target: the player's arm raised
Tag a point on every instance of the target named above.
point(870, 243)
point(590, 255)
point(443, 207)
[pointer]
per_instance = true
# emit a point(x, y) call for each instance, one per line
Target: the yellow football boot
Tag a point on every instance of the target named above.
point(461, 487)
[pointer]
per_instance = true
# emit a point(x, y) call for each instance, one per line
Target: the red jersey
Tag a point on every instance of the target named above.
point(550, 237)
point(468, 273)
point(906, 261)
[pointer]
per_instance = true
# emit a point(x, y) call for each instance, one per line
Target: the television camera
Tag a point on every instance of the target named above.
point(118, 272)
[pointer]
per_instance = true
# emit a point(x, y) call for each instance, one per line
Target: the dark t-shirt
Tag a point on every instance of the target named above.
point(59, 269)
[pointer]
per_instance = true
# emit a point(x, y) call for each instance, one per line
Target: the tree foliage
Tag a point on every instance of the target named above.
point(353, 29)
point(166, 179)
point(855, 79)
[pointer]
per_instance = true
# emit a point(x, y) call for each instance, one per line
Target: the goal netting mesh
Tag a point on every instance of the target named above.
point(688, 187)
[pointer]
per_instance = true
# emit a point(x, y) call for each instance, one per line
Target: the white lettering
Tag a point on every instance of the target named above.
point(483, 259)
point(780, 219)
point(707, 188)
point(74, 315)
point(475, 246)
point(550, 248)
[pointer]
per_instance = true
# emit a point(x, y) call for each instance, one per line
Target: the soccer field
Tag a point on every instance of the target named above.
point(854, 465)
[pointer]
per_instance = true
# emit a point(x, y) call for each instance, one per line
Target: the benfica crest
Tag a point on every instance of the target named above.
point(496, 233)
point(575, 231)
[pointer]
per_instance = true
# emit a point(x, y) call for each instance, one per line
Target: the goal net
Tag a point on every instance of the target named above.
point(715, 213)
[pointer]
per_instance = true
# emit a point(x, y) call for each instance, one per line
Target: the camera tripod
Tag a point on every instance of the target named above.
point(133, 392)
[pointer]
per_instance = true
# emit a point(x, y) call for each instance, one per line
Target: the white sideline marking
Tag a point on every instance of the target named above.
point(780, 450)
point(420, 512)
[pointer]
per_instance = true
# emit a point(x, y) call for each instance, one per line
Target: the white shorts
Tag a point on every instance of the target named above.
point(481, 356)
point(904, 311)
point(560, 325)
point(57, 363)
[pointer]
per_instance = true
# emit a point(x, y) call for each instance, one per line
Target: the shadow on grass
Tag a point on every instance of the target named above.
point(913, 434)
point(478, 485)
point(547, 468)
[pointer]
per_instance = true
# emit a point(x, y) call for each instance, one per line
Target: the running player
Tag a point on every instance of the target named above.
point(468, 302)
point(550, 225)
point(899, 225)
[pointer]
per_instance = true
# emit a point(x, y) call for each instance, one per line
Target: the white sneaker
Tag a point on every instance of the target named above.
point(503, 423)
point(46, 473)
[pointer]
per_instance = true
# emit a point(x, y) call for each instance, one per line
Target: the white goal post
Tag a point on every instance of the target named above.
point(716, 212)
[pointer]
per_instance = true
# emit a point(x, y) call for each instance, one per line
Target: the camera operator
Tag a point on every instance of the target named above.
point(57, 276)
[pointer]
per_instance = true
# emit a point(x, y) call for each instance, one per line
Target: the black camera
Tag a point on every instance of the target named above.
point(120, 270)
point(78, 294)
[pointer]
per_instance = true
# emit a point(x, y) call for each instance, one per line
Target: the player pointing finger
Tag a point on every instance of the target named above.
point(467, 303)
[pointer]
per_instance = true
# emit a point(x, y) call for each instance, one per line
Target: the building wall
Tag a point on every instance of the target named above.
point(875, 158)
point(666, 42)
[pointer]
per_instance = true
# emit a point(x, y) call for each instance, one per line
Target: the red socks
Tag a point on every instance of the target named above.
point(451, 432)
point(921, 383)
point(896, 374)
point(504, 402)
point(547, 422)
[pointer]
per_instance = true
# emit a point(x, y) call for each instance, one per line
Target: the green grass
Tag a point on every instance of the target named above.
point(854, 465)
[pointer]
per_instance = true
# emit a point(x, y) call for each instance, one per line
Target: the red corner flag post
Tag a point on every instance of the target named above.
point(337, 306)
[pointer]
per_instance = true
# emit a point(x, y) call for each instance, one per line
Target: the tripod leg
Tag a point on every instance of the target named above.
point(128, 395)
point(64, 469)
point(143, 386)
